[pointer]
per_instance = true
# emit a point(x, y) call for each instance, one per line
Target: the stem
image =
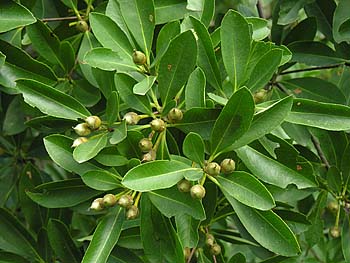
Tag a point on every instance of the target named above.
point(282, 88)
point(203, 179)
point(259, 8)
point(191, 255)
point(159, 139)
point(317, 145)
point(50, 19)
point(136, 203)
point(214, 258)
point(312, 69)
point(211, 178)
point(337, 218)
point(155, 100)
point(88, 9)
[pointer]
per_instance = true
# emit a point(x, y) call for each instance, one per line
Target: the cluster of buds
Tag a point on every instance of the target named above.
point(83, 129)
point(215, 249)
point(227, 166)
point(99, 204)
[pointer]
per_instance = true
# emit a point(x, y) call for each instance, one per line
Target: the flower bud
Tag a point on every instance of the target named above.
point(212, 169)
point(97, 204)
point(109, 200)
point(227, 166)
point(175, 115)
point(82, 26)
point(82, 129)
point(93, 122)
point(197, 191)
point(333, 206)
point(158, 125)
point(184, 186)
point(334, 232)
point(209, 240)
point(260, 96)
point(215, 250)
point(145, 145)
point(79, 141)
point(132, 212)
point(139, 58)
point(125, 201)
point(131, 118)
point(150, 156)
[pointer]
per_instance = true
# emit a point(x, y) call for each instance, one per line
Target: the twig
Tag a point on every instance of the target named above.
point(50, 19)
point(191, 255)
point(317, 145)
point(313, 68)
point(281, 88)
point(214, 258)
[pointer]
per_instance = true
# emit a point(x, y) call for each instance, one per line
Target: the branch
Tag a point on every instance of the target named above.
point(320, 152)
point(313, 68)
point(50, 19)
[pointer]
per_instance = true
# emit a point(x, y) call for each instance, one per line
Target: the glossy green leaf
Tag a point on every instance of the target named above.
point(158, 174)
point(264, 69)
point(108, 59)
point(13, 15)
point(333, 117)
point(14, 117)
point(260, 28)
point(176, 65)
point(112, 108)
point(51, 101)
point(206, 59)
point(119, 133)
point(62, 242)
point(166, 34)
point(101, 180)
point(169, 10)
point(265, 121)
point(90, 149)
point(235, 44)
point(139, 16)
point(272, 171)
point(267, 228)
point(60, 151)
point(105, 237)
point(144, 86)
point(247, 190)
point(65, 193)
point(110, 156)
point(129, 147)
point(187, 230)
point(237, 258)
point(170, 202)
point(345, 238)
point(195, 89)
point(233, 121)
point(341, 22)
point(124, 84)
point(193, 147)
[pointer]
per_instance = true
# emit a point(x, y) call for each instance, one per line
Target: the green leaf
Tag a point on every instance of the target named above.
point(101, 180)
point(6, 257)
point(60, 151)
point(62, 242)
point(108, 59)
point(195, 89)
point(18, 240)
point(170, 202)
point(13, 15)
point(169, 10)
point(193, 147)
point(206, 59)
point(110, 157)
point(90, 149)
point(341, 22)
point(159, 174)
point(124, 84)
point(70, 3)
point(333, 117)
point(176, 65)
point(139, 16)
point(345, 238)
point(65, 193)
point(105, 237)
point(14, 117)
point(247, 189)
point(51, 101)
point(237, 258)
point(305, 30)
point(265, 121)
point(272, 171)
point(112, 108)
point(260, 28)
point(267, 228)
point(166, 34)
point(264, 69)
point(119, 133)
point(144, 86)
point(187, 230)
point(233, 121)
point(235, 44)
point(289, 11)
point(2, 59)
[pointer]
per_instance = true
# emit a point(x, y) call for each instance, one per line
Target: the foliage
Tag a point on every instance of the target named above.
point(174, 131)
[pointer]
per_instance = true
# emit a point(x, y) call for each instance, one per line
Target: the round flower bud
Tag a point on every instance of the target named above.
point(79, 141)
point(132, 212)
point(175, 115)
point(197, 191)
point(150, 156)
point(139, 58)
point(227, 166)
point(97, 204)
point(184, 186)
point(145, 145)
point(125, 201)
point(334, 232)
point(158, 125)
point(212, 169)
point(82, 26)
point(131, 118)
point(82, 129)
point(260, 96)
point(209, 240)
point(93, 122)
point(333, 206)
point(215, 250)
point(109, 200)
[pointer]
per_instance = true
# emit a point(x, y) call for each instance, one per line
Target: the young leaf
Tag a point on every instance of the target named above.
point(101, 180)
point(195, 90)
point(51, 101)
point(247, 190)
point(144, 86)
point(90, 149)
point(235, 44)
point(233, 121)
point(272, 171)
point(119, 133)
point(176, 65)
point(193, 148)
point(159, 174)
point(105, 237)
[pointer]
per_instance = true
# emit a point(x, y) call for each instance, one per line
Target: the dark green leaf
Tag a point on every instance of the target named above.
point(169, 10)
point(166, 34)
point(6, 257)
point(119, 133)
point(193, 148)
point(14, 117)
point(341, 22)
point(90, 149)
point(195, 90)
point(260, 28)
point(110, 157)
point(101, 180)
point(345, 238)
point(237, 258)
point(112, 108)
point(289, 11)
point(187, 230)
point(304, 30)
